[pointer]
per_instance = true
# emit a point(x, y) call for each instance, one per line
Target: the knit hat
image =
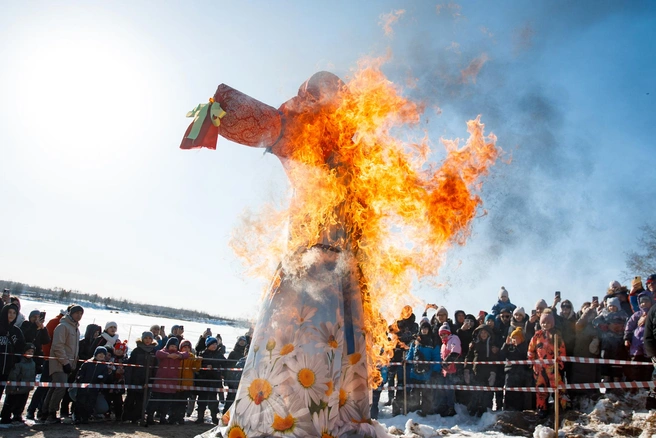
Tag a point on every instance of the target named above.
point(645, 296)
point(519, 334)
point(111, 324)
point(99, 350)
point(445, 329)
point(172, 341)
point(186, 343)
point(175, 327)
point(547, 317)
point(541, 304)
point(29, 346)
point(614, 285)
point(210, 340)
point(147, 334)
point(425, 323)
point(121, 346)
point(519, 311)
point(503, 292)
point(614, 302)
point(651, 279)
point(615, 318)
point(637, 280)
point(76, 308)
point(443, 310)
point(34, 313)
point(242, 338)
point(489, 317)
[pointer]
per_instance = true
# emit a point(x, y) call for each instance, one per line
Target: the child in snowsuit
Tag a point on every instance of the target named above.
point(16, 396)
point(542, 346)
point(516, 348)
point(210, 376)
point(503, 303)
point(422, 349)
point(91, 371)
point(634, 334)
point(449, 352)
point(481, 349)
point(115, 396)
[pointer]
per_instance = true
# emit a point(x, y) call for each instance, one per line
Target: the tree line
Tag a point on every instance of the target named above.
point(61, 295)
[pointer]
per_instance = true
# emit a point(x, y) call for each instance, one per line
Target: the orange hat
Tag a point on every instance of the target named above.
point(519, 334)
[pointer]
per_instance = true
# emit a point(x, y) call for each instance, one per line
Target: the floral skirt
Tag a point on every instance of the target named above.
point(306, 370)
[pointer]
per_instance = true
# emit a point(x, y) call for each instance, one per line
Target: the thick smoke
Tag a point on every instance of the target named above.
point(535, 202)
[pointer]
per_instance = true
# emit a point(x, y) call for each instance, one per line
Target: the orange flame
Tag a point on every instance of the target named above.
point(401, 212)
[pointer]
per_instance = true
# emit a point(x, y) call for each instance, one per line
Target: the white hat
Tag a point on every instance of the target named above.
point(503, 292)
point(111, 324)
point(519, 311)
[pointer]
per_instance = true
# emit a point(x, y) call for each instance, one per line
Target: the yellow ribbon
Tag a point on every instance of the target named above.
point(200, 114)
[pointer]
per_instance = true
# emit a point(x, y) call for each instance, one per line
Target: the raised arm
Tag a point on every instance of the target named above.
point(236, 117)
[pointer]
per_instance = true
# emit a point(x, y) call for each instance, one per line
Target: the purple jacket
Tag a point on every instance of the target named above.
point(635, 334)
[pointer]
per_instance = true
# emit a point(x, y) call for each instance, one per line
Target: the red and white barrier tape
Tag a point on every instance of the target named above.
point(602, 361)
point(479, 388)
point(154, 386)
point(610, 385)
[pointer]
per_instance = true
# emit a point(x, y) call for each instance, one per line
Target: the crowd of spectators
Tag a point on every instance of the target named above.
point(56, 351)
point(616, 325)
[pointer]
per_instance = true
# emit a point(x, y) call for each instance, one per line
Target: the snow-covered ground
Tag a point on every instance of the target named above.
point(131, 325)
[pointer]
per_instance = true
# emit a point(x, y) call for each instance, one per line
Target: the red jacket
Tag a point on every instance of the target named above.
point(168, 371)
point(50, 327)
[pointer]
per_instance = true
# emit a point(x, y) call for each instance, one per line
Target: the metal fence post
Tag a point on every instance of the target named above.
point(405, 395)
point(144, 403)
point(556, 392)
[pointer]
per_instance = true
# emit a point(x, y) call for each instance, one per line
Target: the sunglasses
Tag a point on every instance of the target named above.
point(505, 316)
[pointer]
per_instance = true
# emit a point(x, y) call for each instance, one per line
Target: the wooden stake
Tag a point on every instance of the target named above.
point(556, 393)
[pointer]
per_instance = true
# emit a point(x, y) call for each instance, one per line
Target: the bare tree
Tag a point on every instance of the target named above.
point(643, 261)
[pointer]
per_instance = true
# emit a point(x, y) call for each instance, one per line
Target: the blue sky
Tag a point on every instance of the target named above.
point(97, 196)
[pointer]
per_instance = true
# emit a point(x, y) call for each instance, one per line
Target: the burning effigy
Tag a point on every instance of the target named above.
point(368, 214)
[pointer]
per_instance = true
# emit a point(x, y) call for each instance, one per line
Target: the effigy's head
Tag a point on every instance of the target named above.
point(322, 87)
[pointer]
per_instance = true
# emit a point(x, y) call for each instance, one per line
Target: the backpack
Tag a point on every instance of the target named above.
point(421, 368)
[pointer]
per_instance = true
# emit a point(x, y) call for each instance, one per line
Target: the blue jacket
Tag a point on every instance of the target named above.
point(500, 305)
point(430, 354)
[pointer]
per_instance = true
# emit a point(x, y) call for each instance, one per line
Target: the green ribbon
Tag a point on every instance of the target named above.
point(200, 114)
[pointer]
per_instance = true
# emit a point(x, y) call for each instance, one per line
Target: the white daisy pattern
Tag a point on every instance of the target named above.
point(311, 378)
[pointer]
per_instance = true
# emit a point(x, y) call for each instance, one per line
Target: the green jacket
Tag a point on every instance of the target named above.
point(23, 371)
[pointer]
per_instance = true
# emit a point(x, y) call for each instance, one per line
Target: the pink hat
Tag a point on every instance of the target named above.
point(445, 329)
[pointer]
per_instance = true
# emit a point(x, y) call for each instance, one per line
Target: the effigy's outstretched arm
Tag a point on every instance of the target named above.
point(234, 116)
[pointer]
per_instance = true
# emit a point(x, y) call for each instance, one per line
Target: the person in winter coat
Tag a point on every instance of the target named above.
point(503, 303)
point(16, 397)
point(404, 329)
point(634, 334)
point(92, 371)
point(518, 320)
point(482, 349)
point(40, 394)
point(565, 325)
point(168, 373)
point(423, 350)
point(143, 355)
point(36, 334)
point(11, 342)
point(189, 366)
point(612, 347)
point(450, 352)
point(612, 308)
point(651, 286)
point(64, 352)
point(87, 343)
point(375, 399)
point(210, 376)
point(465, 334)
point(108, 337)
point(586, 335)
point(543, 346)
point(516, 376)
point(200, 346)
point(237, 355)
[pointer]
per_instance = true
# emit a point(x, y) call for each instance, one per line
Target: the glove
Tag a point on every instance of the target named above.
point(67, 368)
point(467, 376)
point(493, 377)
